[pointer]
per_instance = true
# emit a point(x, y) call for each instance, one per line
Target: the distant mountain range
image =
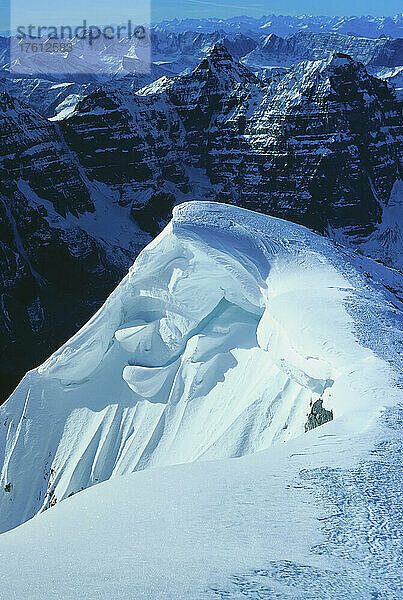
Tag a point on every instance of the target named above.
point(284, 25)
point(305, 45)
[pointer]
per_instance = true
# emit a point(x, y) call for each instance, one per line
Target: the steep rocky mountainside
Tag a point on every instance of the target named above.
point(198, 96)
point(175, 52)
point(80, 197)
point(31, 150)
point(307, 45)
point(52, 279)
point(82, 193)
point(134, 147)
point(66, 239)
point(319, 144)
point(45, 96)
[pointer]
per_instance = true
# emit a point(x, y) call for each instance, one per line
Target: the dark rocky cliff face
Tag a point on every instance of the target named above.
point(54, 273)
point(319, 145)
point(31, 151)
point(80, 196)
point(131, 144)
point(51, 280)
point(198, 97)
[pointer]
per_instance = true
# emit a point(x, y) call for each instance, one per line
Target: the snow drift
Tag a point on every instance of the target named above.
point(232, 332)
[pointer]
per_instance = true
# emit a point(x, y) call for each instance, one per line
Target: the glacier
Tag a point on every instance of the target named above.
point(232, 333)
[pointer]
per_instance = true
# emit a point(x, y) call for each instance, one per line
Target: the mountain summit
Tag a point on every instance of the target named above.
point(229, 335)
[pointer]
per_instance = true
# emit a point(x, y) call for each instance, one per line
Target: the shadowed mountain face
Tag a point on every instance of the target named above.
point(83, 193)
point(318, 144)
point(307, 45)
point(67, 236)
point(52, 279)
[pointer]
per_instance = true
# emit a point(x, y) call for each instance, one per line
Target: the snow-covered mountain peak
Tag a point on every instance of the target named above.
point(272, 37)
point(221, 64)
point(272, 42)
point(219, 54)
point(201, 90)
point(335, 78)
point(229, 335)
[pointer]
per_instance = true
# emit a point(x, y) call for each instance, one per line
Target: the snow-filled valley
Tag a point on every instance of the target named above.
point(247, 370)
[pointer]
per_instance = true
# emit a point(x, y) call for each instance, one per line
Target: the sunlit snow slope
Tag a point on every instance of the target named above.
point(226, 337)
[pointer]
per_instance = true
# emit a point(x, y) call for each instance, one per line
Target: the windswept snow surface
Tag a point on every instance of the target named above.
point(228, 328)
point(318, 518)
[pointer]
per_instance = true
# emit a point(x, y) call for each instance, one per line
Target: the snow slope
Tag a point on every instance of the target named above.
point(386, 243)
point(229, 330)
point(318, 518)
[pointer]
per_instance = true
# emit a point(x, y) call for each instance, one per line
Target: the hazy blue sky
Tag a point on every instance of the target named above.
point(227, 8)
point(105, 11)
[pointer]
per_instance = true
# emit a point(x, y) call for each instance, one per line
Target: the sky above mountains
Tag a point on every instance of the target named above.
point(257, 8)
point(24, 12)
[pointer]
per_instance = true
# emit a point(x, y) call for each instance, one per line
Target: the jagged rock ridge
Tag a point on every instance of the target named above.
point(319, 144)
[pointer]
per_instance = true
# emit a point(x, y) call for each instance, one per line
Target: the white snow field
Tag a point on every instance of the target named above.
point(229, 327)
